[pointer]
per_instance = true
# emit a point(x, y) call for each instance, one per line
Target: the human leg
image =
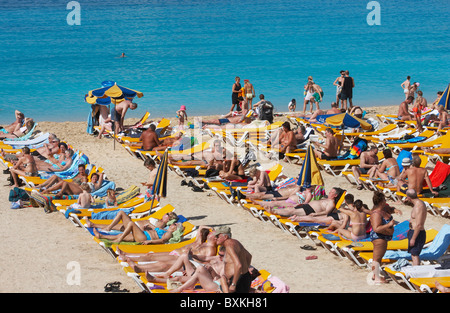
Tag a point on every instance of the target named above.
point(379, 249)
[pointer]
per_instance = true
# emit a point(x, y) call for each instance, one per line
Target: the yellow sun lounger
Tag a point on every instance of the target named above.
point(428, 285)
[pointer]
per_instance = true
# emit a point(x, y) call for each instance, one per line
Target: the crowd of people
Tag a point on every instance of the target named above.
point(229, 269)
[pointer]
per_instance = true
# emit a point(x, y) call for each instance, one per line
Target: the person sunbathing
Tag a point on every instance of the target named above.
point(323, 207)
point(146, 224)
point(25, 166)
point(330, 148)
point(388, 170)
point(288, 142)
point(358, 221)
point(57, 162)
point(302, 195)
point(22, 131)
point(193, 255)
point(232, 169)
point(226, 122)
point(14, 126)
point(260, 181)
point(73, 187)
point(132, 233)
point(197, 246)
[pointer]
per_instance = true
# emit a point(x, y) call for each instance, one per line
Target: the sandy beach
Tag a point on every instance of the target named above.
point(39, 249)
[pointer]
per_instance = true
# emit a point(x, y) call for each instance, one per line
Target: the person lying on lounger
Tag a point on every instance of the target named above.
point(357, 214)
point(132, 233)
point(25, 166)
point(22, 131)
point(298, 196)
point(330, 148)
point(226, 122)
point(232, 169)
point(14, 126)
point(57, 162)
point(260, 181)
point(323, 207)
point(174, 261)
point(73, 187)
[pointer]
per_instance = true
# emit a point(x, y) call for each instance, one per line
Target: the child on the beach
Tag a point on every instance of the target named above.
point(85, 199)
point(182, 116)
point(110, 200)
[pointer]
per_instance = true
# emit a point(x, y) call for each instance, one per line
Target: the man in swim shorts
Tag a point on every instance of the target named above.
point(416, 233)
point(237, 261)
point(313, 208)
point(249, 92)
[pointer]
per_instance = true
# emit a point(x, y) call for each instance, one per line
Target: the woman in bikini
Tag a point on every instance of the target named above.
point(132, 233)
point(358, 222)
point(388, 170)
point(382, 230)
point(232, 169)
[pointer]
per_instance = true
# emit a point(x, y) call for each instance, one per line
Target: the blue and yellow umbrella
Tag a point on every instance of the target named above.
point(114, 92)
point(310, 173)
point(347, 120)
point(159, 188)
point(444, 100)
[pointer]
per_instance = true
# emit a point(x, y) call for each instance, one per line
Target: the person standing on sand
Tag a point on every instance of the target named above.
point(416, 234)
point(338, 83)
point(237, 261)
point(405, 85)
point(348, 83)
point(249, 92)
point(235, 90)
point(403, 111)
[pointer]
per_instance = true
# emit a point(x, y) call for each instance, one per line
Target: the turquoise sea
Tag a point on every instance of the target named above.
point(189, 51)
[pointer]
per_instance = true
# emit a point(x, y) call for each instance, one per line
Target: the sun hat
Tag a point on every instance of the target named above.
point(183, 108)
point(406, 162)
point(223, 230)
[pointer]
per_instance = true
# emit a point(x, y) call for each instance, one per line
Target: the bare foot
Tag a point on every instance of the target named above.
point(88, 222)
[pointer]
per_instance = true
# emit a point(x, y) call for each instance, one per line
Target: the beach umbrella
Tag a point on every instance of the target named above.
point(113, 94)
point(444, 100)
point(310, 174)
point(347, 120)
point(159, 187)
point(116, 92)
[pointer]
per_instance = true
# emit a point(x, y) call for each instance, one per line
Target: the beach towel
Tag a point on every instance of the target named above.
point(319, 192)
point(102, 191)
point(403, 154)
point(436, 249)
point(110, 215)
point(411, 140)
point(439, 174)
point(359, 145)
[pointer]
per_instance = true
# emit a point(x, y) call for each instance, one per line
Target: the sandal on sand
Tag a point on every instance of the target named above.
point(311, 257)
point(308, 247)
point(112, 286)
point(360, 187)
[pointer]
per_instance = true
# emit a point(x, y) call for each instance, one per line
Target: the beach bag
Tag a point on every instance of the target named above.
point(17, 194)
point(266, 111)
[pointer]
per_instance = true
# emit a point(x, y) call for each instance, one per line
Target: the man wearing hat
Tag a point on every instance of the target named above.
point(237, 261)
point(413, 177)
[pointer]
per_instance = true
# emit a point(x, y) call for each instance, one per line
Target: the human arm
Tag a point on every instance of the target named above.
point(375, 221)
point(237, 267)
point(429, 184)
